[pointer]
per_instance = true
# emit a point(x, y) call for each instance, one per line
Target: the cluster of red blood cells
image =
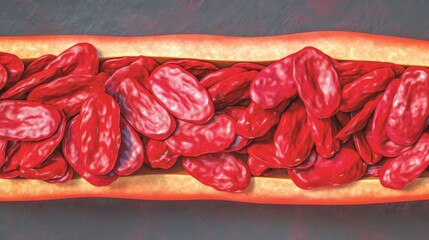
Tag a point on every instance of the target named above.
point(325, 122)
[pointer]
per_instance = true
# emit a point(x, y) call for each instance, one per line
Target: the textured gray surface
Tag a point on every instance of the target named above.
point(129, 219)
point(240, 17)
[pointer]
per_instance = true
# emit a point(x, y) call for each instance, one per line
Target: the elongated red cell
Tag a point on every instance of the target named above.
point(54, 167)
point(135, 69)
point(355, 94)
point(365, 150)
point(323, 134)
point(3, 76)
point(65, 178)
point(360, 142)
point(359, 120)
point(220, 75)
point(20, 90)
point(409, 110)
point(3, 145)
point(80, 59)
point(265, 152)
point(131, 151)
point(142, 111)
point(11, 149)
point(31, 154)
point(232, 90)
point(159, 156)
point(27, 121)
point(274, 84)
point(68, 93)
point(400, 171)
point(317, 82)
point(222, 171)
point(71, 150)
point(14, 68)
point(343, 168)
point(293, 136)
point(181, 94)
point(192, 139)
point(37, 65)
point(100, 134)
point(256, 167)
point(386, 147)
point(348, 71)
point(376, 134)
point(249, 66)
point(196, 67)
point(235, 112)
point(256, 121)
point(110, 66)
point(307, 163)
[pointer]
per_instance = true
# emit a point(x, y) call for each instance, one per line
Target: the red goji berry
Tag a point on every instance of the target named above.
point(222, 171)
point(21, 89)
point(65, 178)
point(71, 150)
point(100, 134)
point(159, 156)
point(256, 167)
point(220, 75)
point(359, 120)
point(323, 134)
point(14, 67)
point(192, 139)
point(31, 154)
point(196, 67)
point(348, 71)
point(308, 162)
point(364, 149)
point(37, 65)
point(256, 121)
point(27, 121)
point(265, 152)
point(11, 148)
point(317, 82)
point(293, 139)
point(385, 148)
point(376, 134)
point(181, 94)
point(110, 66)
point(3, 145)
point(343, 168)
point(232, 90)
point(131, 151)
point(54, 167)
point(68, 93)
point(235, 112)
point(274, 84)
point(3, 76)
point(355, 94)
point(80, 59)
point(249, 66)
point(142, 111)
point(400, 171)
point(409, 112)
point(135, 70)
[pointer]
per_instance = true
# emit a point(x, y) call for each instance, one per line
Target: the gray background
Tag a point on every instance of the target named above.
point(129, 219)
